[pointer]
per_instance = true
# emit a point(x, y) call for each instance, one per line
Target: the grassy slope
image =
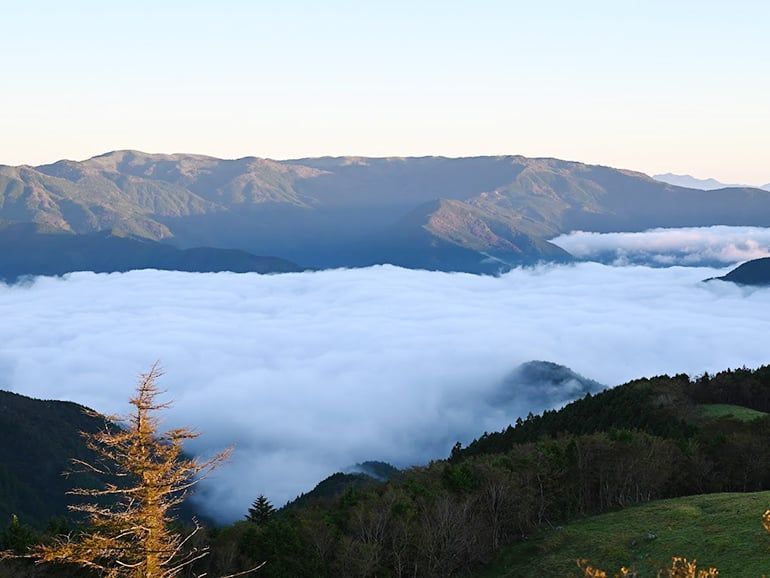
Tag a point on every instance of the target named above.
point(723, 530)
point(720, 410)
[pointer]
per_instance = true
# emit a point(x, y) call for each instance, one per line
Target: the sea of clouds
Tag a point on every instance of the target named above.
point(310, 373)
point(696, 246)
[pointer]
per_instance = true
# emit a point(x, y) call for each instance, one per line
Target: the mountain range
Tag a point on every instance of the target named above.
point(696, 183)
point(479, 214)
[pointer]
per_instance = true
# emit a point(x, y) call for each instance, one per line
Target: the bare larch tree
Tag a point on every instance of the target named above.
point(129, 532)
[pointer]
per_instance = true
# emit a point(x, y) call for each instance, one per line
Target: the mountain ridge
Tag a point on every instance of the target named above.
point(354, 211)
point(706, 184)
point(31, 250)
point(691, 182)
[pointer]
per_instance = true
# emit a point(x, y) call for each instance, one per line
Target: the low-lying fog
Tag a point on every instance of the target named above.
point(695, 246)
point(310, 373)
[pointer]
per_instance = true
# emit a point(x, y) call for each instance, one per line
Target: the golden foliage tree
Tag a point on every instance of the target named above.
point(591, 572)
point(146, 476)
point(680, 568)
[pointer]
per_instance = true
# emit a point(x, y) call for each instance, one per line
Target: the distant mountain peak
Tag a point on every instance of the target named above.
point(691, 182)
point(708, 184)
point(547, 374)
point(543, 384)
point(755, 272)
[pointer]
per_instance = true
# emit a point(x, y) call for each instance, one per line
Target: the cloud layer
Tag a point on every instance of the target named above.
point(696, 246)
point(309, 373)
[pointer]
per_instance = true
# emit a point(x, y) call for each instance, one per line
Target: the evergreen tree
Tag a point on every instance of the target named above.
point(261, 511)
point(17, 537)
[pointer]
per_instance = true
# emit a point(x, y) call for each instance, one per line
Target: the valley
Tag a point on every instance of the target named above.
point(297, 289)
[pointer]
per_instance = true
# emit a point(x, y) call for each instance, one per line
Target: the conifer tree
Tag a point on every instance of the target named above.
point(261, 511)
point(146, 476)
point(17, 537)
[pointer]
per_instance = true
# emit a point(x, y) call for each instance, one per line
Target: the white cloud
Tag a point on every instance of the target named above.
point(695, 246)
point(309, 373)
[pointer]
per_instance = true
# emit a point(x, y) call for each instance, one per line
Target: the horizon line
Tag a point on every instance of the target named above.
point(298, 159)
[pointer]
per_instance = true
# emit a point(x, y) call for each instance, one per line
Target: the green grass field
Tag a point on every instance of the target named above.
point(722, 530)
point(720, 410)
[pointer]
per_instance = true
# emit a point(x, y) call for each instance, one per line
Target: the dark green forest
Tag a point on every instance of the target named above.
point(662, 437)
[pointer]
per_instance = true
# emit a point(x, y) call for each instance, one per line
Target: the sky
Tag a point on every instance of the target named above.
point(311, 373)
point(651, 85)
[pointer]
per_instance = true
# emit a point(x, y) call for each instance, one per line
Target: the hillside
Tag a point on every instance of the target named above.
point(729, 411)
point(360, 477)
point(673, 407)
point(501, 500)
point(39, 438)
point(27, 250)
point(754, 272)
point(475, 214)
point(722, 530)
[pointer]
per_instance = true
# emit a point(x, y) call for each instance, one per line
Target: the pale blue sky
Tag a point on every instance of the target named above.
point(657, 86)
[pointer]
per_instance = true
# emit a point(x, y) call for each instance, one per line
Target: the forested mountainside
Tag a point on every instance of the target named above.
point(649, 439)
point(27, 249)
point(362, 476)
point(474, 214)
point(38, 440)
point(662, 437)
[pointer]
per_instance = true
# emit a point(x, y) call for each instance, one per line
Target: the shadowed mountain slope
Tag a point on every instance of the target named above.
point(39, 439)
point(754, 272)
point(28, 250)
point(433, 212)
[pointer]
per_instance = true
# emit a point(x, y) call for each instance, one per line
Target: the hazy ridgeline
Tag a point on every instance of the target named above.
point(474, 214)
